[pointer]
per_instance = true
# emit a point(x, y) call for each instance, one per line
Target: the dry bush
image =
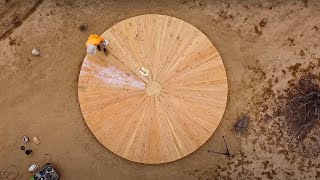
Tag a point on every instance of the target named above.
point(302, 107)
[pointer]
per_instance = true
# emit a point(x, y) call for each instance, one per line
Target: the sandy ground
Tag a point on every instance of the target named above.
point(38, 95)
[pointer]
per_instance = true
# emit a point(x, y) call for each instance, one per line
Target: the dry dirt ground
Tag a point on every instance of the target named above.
point(266, 47)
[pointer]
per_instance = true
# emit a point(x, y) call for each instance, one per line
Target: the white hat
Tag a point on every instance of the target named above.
point(91, 49)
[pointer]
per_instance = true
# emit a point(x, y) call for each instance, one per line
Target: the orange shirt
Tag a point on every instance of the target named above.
point(94, 39)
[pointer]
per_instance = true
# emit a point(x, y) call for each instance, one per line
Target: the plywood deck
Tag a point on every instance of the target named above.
point(166, 115)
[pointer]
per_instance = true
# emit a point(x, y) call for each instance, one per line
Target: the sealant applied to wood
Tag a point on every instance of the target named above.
point(165, 115)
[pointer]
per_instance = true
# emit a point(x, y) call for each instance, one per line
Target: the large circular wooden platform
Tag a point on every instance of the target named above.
point(166, 115)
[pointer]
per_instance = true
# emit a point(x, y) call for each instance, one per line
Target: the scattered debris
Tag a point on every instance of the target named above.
point(263, 22)
point(33, 168)
point(316, 28)
point(302, 108)
point(291, 41)
point(12, 41)
point(294, 69)
point(302, 53)
point(284, 72)
point(25, 139)
point(83, 27)
point(23, 148)
point(35, 52)
point(256, 29)
point(144, 72)
point(28, 152)
point(47, 171)
point(279, 58)
point(305, 3)
point(36, 140)
point(241, 125)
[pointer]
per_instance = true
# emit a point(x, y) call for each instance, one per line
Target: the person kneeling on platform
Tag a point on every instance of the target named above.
point(95, 43)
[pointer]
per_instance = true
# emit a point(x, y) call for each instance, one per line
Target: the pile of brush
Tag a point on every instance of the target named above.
point(302, 107)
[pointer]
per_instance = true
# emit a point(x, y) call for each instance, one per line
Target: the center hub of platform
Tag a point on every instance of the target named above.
point(153, 89)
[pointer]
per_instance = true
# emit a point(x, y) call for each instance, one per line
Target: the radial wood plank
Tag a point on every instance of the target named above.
point(168, 114)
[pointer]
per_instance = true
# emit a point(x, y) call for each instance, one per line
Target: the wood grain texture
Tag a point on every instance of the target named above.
point(166, 115)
